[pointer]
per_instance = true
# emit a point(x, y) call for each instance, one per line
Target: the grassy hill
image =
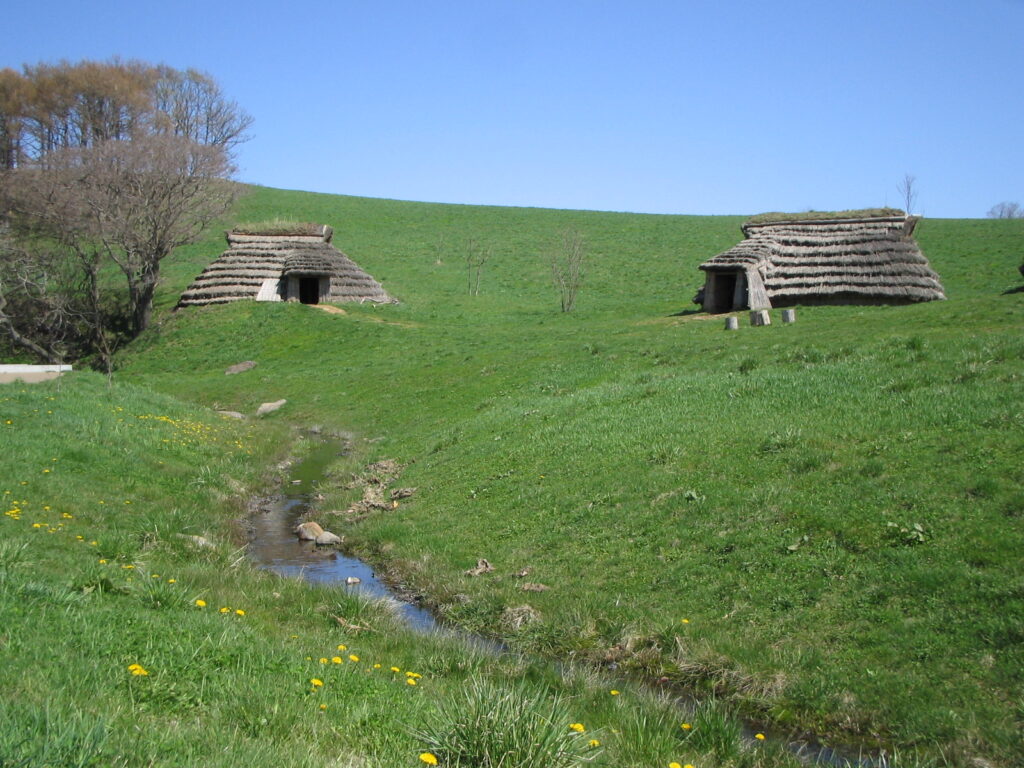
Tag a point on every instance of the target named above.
point(819, 522)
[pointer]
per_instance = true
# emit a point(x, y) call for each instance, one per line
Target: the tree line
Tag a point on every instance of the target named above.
point(105, 168)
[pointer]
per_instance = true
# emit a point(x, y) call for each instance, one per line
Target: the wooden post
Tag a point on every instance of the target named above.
point(760, 317)
point(789, 315)
point(732, 323)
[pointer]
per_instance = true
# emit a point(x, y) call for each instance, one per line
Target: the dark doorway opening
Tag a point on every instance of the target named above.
point(309, 290)
point(725, 290)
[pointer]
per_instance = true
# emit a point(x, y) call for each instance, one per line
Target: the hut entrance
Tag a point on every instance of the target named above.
point(309, 290)
point(726, 291)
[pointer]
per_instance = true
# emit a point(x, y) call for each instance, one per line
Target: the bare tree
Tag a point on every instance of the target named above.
point(1006, 210)
point(59, 106)
point(104, 164)
point(567, 267)
point(130, 202)
point(476, 256)
point(51, 302)
point(908, 191)
point(191, 104)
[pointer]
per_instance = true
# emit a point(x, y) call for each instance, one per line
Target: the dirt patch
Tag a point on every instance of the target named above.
point(378, 495)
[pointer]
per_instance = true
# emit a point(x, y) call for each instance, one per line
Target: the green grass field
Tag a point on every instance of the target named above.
point(817, 524)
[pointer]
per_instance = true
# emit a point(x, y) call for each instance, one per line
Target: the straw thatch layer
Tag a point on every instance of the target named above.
point(851, 260)
point(268, 267)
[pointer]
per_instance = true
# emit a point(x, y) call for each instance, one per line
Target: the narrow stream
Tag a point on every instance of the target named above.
point(275, 547)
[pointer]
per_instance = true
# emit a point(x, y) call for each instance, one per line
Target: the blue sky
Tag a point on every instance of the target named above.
point(663, 107)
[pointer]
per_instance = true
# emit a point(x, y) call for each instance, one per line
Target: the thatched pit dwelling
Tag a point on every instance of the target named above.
point(851, 257)
point(292, 263)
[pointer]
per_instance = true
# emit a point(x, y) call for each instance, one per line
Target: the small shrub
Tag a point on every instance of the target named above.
point(715, 732)
point(487, 726)
point(747, 365)
point(905, 535)
point(649, 738)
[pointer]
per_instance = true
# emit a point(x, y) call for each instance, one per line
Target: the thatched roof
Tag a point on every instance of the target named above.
point(838, 259)
point(256, 260)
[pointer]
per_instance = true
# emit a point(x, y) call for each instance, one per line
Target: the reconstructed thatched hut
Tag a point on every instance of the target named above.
point(292, 263)
point(852, 257)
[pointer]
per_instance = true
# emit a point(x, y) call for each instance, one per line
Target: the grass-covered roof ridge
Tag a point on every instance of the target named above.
point(278, 227)
point(859, 213)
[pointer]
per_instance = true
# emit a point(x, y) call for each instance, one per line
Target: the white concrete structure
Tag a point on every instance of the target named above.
point(31, 373)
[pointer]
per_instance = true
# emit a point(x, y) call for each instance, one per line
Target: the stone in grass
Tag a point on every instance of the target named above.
point(240, 367)
point(232, 414)
point(308, 531)
point(266, 408)
point(327, 539)
point(197, 541)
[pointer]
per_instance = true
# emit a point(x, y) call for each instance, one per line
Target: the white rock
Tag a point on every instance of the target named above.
point(327, 538)
point(266, 408)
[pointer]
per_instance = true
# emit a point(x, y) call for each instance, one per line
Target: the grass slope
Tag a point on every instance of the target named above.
point(125, 643)
point(833, 506)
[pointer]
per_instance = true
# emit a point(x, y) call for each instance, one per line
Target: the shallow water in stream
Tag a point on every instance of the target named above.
point(275, 547)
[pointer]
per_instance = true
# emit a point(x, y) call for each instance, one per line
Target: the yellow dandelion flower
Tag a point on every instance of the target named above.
point(395, 669)
point(594, 743)
point(686, 726)
point(410, 681)
point(324, 660)
point(240, 612)
point(376, 666)
point(155, 575)
point(578, 727)
point(323, 707)
point(685, 621)
point(137, 670)
point(337, 659)
point(316, 682)
point(128, 567)
point(172, 581)
point(342, 647)
point(225, 609)
point(614, 692)
point(428, 758)
point(201, 603)
point(674, 765)
point(353, 657)
point(103, 561)
point(759, 736)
